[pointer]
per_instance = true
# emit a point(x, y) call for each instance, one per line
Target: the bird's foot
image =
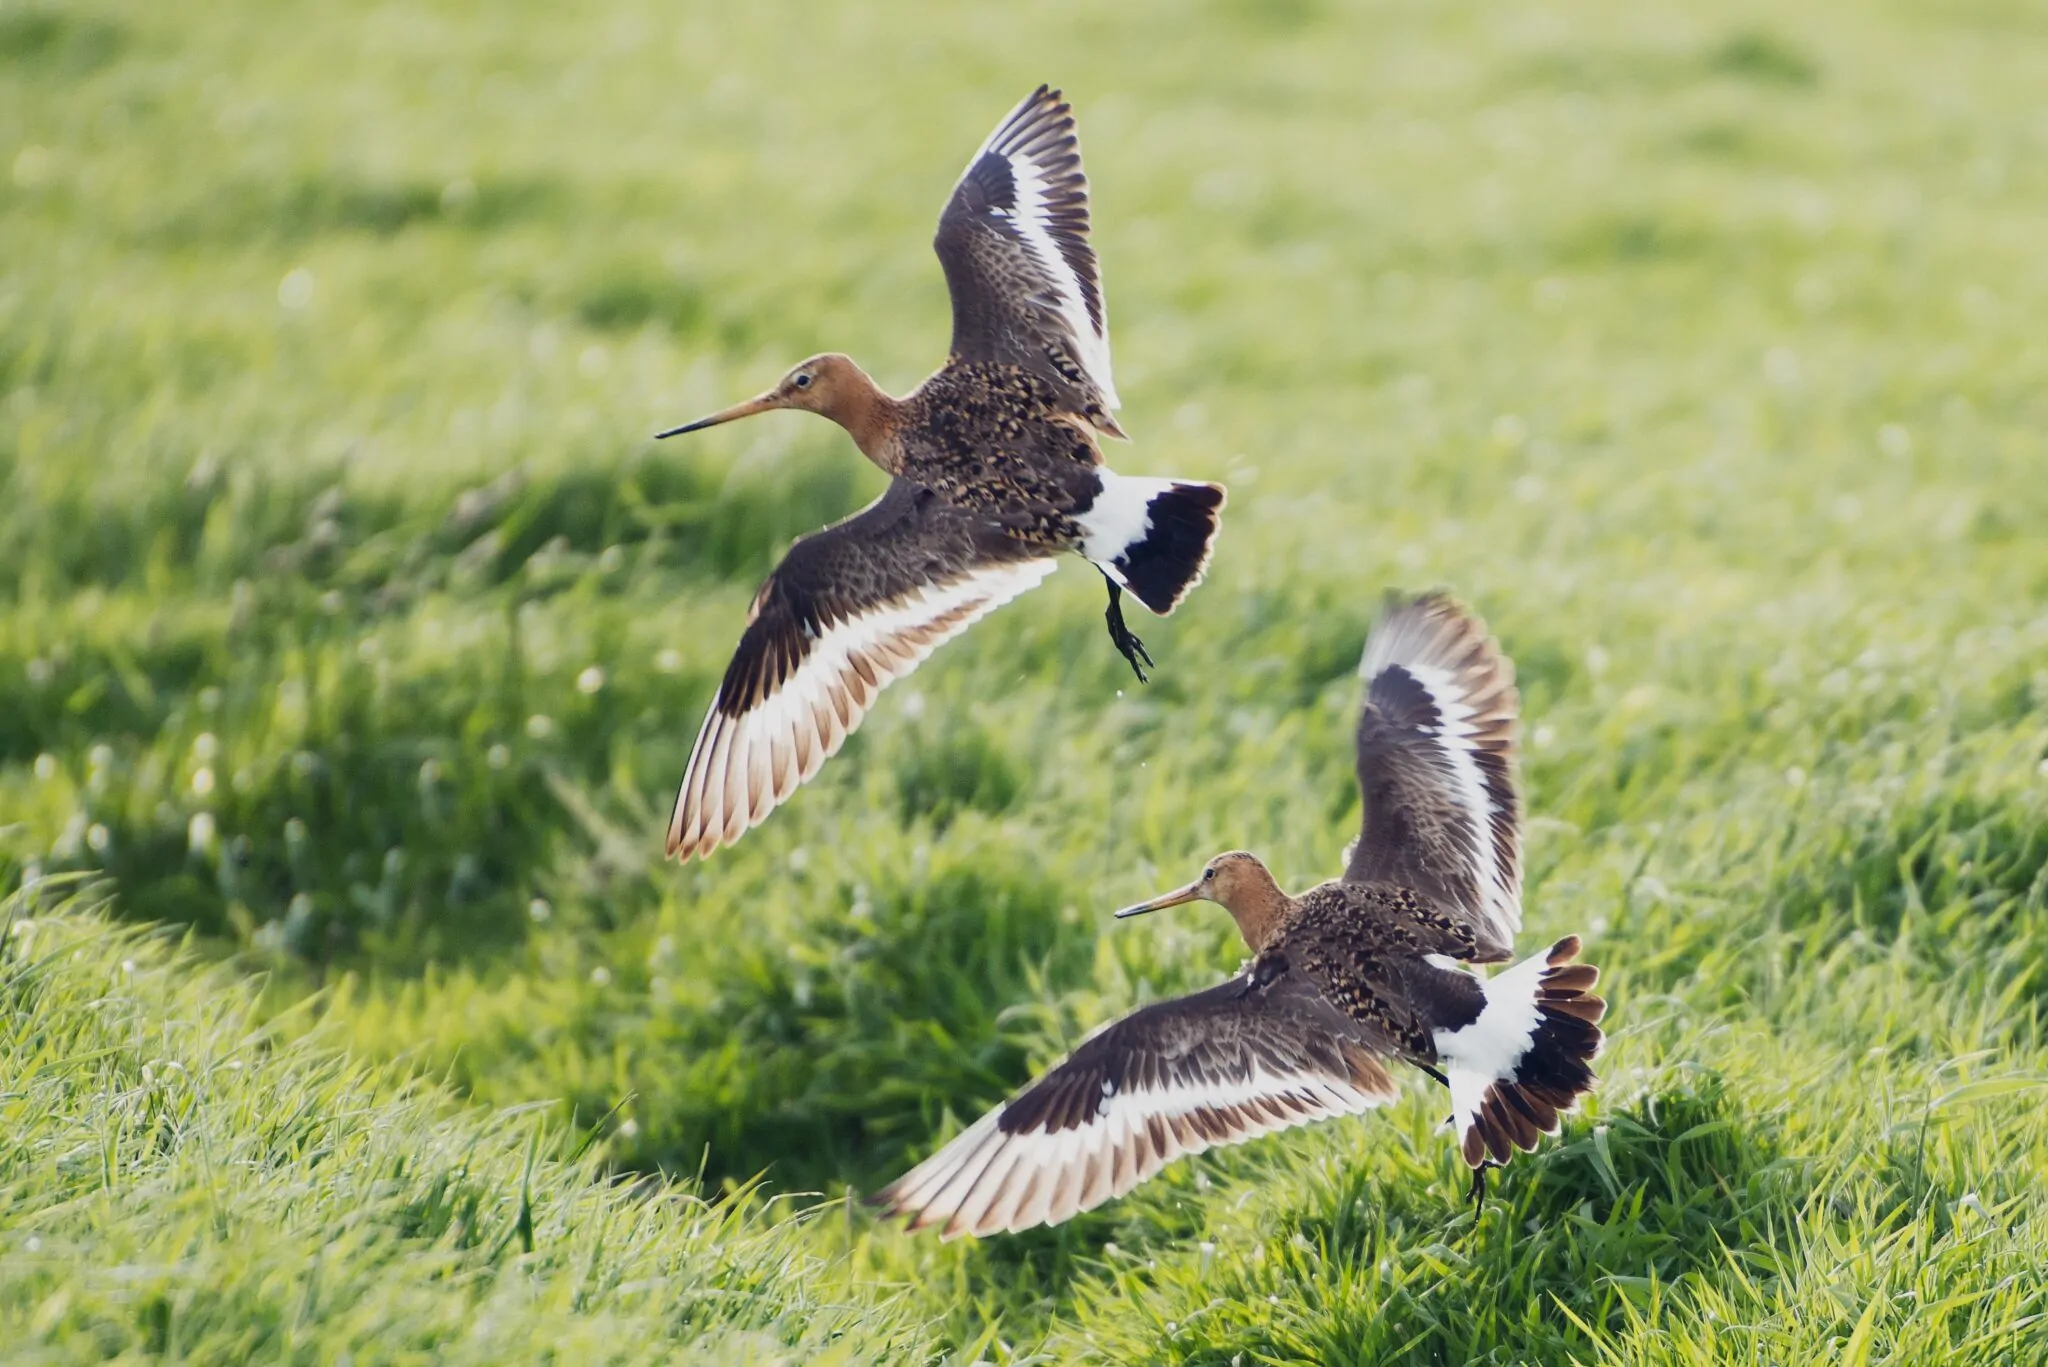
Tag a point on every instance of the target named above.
point(1435, 1074)
point(1121, 636)
point(1479, 1187)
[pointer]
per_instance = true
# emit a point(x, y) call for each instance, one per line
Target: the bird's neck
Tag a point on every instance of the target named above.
point(874, 419)
point(1261, 911)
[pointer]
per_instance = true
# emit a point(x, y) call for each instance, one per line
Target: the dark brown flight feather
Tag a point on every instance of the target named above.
point(1175, 1077)
point(1013, 241)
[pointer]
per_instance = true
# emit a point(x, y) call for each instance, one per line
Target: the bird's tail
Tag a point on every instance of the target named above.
point(1524, 1061)
point(1152, 535)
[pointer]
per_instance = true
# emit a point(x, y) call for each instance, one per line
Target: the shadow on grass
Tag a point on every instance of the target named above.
point(820, 1052)
point(58, 41)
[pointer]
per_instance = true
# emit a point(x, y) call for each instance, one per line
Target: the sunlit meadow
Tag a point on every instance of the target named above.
point(353, 633)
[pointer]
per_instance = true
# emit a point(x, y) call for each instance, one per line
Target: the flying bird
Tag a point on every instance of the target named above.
point(1369, 969)
point(995, 472)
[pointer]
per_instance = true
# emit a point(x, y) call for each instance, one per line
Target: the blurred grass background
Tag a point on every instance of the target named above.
point(349, 621)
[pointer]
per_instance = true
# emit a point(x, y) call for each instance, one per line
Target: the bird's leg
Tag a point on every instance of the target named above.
point(1125, 640)
point(1479, 1187)
point(1434, 1073)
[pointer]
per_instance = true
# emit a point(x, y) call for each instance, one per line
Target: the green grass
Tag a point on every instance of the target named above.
point(183, 1180)
point(351, 625)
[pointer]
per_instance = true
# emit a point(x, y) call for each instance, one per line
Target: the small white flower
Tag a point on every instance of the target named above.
point(499, 756)
point(540, 726)
point(539, 910)
point(601, 975)
point(202, 781)
point(669, 661)
point(1781, 367)
point(295, 291)
point(590, 680)
point(31, 168)
point(96, 836)
point(200, 833)
point(46, 766)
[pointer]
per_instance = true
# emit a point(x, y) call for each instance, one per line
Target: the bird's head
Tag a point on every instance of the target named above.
point(1241, 885)
point(830, 384)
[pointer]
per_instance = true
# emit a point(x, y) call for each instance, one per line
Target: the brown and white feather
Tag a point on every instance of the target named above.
point(1174, 1078)
point(850, 609)
point(1436, 751)
point(1013, 239)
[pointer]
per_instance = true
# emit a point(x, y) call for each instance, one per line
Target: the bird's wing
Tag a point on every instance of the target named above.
point(1215, 1067)
point(1436, 748)
point(1014, 243)
point(849, 609)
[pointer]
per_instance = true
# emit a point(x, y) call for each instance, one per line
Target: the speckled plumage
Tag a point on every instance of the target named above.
point(994, 439)
point(1362, 946)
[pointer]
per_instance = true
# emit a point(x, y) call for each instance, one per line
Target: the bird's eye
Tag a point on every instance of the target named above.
point(803, 382)
point(1208, 875)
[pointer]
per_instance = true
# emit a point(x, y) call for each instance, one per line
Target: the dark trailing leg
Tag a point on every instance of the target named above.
point(1479, 1187)
point(1126, 641)
point(1438, 1076)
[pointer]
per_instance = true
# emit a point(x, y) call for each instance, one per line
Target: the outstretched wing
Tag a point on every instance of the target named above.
point(1215, 1067)
point(1014, 243)
point(1436, 746)
point(849, 609)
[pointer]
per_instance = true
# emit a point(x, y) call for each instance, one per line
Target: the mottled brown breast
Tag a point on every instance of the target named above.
point(1364, 946)
point(987, 436)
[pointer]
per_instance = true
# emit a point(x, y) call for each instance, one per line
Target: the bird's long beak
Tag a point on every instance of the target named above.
point(1191, 893)
point(739, 410)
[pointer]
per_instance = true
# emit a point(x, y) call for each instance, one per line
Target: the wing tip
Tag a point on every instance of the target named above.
point(1431, 627)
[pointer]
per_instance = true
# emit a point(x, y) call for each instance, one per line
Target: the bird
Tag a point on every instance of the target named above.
point(1370, 969)
point(995, 470)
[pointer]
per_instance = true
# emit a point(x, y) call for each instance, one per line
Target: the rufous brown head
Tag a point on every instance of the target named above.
point(828, 384)
point(1240, 884)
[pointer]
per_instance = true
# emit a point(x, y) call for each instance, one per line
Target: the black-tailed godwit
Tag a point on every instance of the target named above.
point(996, 471)
point(1345, 977)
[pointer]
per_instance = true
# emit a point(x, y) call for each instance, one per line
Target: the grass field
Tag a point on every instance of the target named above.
point(352, 635)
